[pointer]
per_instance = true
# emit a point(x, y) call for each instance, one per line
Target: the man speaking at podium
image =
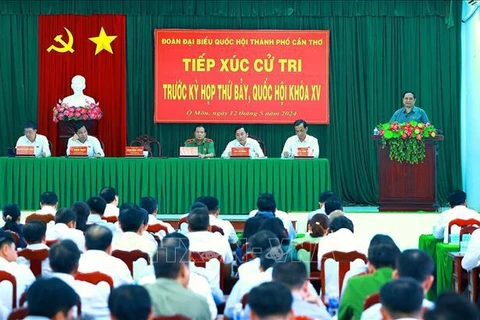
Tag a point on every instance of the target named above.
point(409, 112)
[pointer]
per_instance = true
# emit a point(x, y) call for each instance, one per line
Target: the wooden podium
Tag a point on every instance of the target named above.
point(66, 131)
point(408, 187)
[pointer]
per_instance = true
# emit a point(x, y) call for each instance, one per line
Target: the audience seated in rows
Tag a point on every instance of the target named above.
point(415, 264)
point(97, 207)
point(401, 299)
point(321, 203)
point(130, 302)
point(83, 213)
point(252, 225)
point(11, 215)
point(64, 228)
point(98, 242)
point(259, 243)
point(34, 234)
point(150, 204)
point(452, 306)
point(381, 263)
point(270, 301)
point(214, 210)
point(275, 225)
point(48, 203)
point(110, 196)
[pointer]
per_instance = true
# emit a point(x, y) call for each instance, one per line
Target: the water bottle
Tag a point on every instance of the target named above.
point(333, 302)
point(375, 131)
point(238, 312)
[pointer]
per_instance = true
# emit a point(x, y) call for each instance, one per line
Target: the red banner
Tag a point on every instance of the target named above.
point(233, 76)
point(91, 46)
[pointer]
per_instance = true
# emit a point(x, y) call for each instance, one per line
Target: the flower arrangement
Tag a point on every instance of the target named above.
point(406, 140)
point(63, 112)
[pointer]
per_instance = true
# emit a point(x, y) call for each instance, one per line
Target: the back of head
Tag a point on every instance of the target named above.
point(266, 203)
point(341, 222)
point(383, 255)
point(325, 195)
point(6, 239)
point(456, 198)
point(130, 302)
point(50, 298)
point(65, 215)
point(275, 225)
point(83, 211)
point(131, 219)
point(416, 264)
point(252, 225)
point(109, 194)
point(198, 219)
point(64, 256)
point(97, 205)
point(293, 274)
point(319, 224)
point(98, 238)
point(332, 204)
point(211, 203)
point(381, 238)
point(272, 256)
point(150, 204)
point(168, 261)
point(270, 299)
point(452, 306)
point(11, 214)
point(34, 231)
point(176, 240)
point(402, 298)
point(49, 198)
point(261, 241)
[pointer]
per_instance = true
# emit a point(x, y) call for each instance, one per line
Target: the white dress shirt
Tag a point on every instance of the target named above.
point(471, 259)
point(341, 240)
point(287, 222)
point(373, 313)
point(94, 298)
point(440, 230)
point(227, 227)
point(97, 219)
point(255, 149)
point(92, 143)
point(22, 274)
point(294, 142)
point(152, 221)
point(199, 284)
point(249, 269)
point(311, 214)
point(46, 269)
point(61, 231)
point(40, 143)
point(96, 260)
point(111, 210)
point(46, 209)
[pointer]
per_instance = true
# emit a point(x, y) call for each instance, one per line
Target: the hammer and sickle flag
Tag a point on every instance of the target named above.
point(93, 46)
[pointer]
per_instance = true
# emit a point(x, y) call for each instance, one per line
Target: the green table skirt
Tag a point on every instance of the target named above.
point(176, 183)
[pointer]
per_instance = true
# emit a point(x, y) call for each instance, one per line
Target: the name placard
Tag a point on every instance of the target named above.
point(79, 151)
point(134, 151)
point(25, 151)
point(188, 151)
point(240, 152)
point(304, 152)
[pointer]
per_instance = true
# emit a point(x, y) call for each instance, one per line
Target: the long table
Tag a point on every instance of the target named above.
point(296, 183)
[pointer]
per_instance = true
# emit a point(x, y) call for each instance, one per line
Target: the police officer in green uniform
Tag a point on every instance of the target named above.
point(205, 146)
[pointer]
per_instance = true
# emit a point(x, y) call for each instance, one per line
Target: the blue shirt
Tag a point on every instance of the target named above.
point(416, 114)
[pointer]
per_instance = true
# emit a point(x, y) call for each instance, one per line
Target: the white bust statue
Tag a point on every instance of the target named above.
point(78, 99)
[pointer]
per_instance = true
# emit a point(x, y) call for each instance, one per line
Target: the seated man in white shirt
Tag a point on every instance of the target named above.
point(202, 240)
point(150, 204)
point(213, 211)
point(64, 257)
point(458, 210)
point(300, 139)
point(242, 140)
point(32, 138)
point(81, 138)
point(321, 203)
point(64, 228)
point(130, 302)
point(48, 203)
point(22, 274)
point(471, 259)
point(267, 207)
point(111, 198)
point(97, 207)
point(34, 235)
point(401, 299)
point(51, 299)
point(98, 240)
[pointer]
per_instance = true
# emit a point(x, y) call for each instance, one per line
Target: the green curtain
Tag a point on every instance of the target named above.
point(378, 50)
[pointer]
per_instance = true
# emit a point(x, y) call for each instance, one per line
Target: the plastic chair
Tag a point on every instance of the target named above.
point(214, 229)
point(95, 278)
point(261, 143)
point(7, 276)
point(146, 142)
point(200, 259)
point(157, 228)
point(131, 256)
point(371, 300)
point(462, 223)
point(467, 230)
point(36, 258)
point(312, 248)
point(40, 217)
point(49, 243)
point(343, 259)
point(111, 219)
point(182, 221)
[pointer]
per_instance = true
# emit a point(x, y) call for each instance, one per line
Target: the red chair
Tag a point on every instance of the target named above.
point(49, 243)
point(40, 217)
point(462, 223)
point(157, 228)
point(36, 258)
point(248, 257)
point(7, 276)
point(111, 219)
point(244, 300)
point(173, 317)
point(15, 237)
point(344, 259)
point(200, 259)
point(312, 248)
point(214, 229)
point(371, 300)
point(18, 313)
point(182, 221)
point(130, 256)
point(467, 230)
point(95, 278)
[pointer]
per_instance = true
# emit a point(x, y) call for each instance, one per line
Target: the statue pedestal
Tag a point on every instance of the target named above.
point(66, 129)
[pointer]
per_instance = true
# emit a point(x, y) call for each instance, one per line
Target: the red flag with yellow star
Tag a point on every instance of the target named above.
point(93, 47)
